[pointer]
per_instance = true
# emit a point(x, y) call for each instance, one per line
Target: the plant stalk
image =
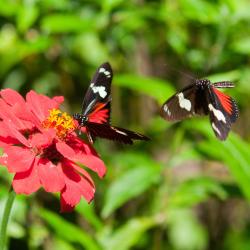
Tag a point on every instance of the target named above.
point(5, 218)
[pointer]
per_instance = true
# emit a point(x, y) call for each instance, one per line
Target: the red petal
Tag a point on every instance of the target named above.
point(8, 114)
point(12, 97)
point(92, 162)
point(84, 184)
point(85, 157)
point(50, 176)
point(84, 148)
point(71, 193)
point(19, 159)
point(40, 104)
point(43, 139)
point(5, 137)
point(76, 186)
point(25, 114)
point(71, 196)
point(65, 150)
point(65, 207)
point(6, 141)
point(27, 182)
point(37, 105)
point(84, 173)
point(13, 132)
point(58, 99)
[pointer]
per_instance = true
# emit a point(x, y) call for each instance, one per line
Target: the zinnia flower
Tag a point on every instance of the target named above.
point(42, 149)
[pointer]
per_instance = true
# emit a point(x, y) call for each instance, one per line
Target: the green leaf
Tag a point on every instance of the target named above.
point(196, 190)
point(46, 83)
point(68, 231)
point(14, 51)
point(185, 231)
point(199, 10)
point(64, 23)
point(27, 15)
point(88, 212)
point(186, 154)
point(14, 80)
point(131, 184)
point(242, 46)
point(127, 235)
point(62, 5)
point(60, 244)
point(8, 8)
point(234, 153)
point(156, 88)
point(38, 233)
point(110, 4)
point(82, 45)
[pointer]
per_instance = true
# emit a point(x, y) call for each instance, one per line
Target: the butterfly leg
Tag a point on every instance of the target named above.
point(90, 138)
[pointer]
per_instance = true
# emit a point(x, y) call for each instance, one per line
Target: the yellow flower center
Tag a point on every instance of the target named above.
point(60, 121)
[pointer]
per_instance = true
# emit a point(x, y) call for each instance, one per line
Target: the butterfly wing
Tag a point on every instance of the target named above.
point(223, 111)
point(97, 99)
point(101, 113)
point(227, 102)
point(184, 104)
point(96, 107)
point(112, 133)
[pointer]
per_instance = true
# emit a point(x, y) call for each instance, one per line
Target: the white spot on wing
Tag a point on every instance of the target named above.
point(105, 72)
point(216, 129)
point(184, 103)
point(118, 131)
point(101, 90)
point(166, 109)
point(217, 113)
point(102, 70)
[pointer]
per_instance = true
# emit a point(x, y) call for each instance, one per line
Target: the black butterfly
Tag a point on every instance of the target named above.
point(203, 98)
point(95, 115)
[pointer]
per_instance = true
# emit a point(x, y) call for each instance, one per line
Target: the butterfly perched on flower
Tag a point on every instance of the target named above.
point(95, 115)
point(204, 98)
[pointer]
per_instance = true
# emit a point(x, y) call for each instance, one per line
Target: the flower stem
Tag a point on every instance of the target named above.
point(5, 218)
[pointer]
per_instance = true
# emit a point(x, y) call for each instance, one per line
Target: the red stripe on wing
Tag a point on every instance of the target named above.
point(225, 101)
point(99, 114)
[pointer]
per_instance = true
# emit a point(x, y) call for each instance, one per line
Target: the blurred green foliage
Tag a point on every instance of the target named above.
point(183, 190)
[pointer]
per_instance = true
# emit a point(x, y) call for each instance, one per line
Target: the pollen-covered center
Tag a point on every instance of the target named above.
point(60, 121)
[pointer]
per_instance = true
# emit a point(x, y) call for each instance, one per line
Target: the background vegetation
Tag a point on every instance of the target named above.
point(183, 190)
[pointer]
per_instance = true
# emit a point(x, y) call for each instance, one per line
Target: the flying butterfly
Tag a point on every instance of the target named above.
point(204, 98)
point(95, 115)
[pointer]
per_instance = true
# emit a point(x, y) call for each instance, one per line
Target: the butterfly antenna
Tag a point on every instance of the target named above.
point(224, 84)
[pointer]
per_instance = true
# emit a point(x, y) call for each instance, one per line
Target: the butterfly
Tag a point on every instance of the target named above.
point(204, 98)
point(95, 115)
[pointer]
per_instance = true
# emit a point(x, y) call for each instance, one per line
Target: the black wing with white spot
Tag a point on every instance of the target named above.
point(202, 98)
point(95, 116)
point(228, 104)
point(112, 133)
point(99, 91)
point(223, 111)
point(184, 104)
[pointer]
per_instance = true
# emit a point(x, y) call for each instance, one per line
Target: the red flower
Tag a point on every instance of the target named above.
point(42, 149)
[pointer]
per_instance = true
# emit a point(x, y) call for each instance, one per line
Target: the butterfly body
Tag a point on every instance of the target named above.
point(82, 119)
point(95, 115)
point(204, 98)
